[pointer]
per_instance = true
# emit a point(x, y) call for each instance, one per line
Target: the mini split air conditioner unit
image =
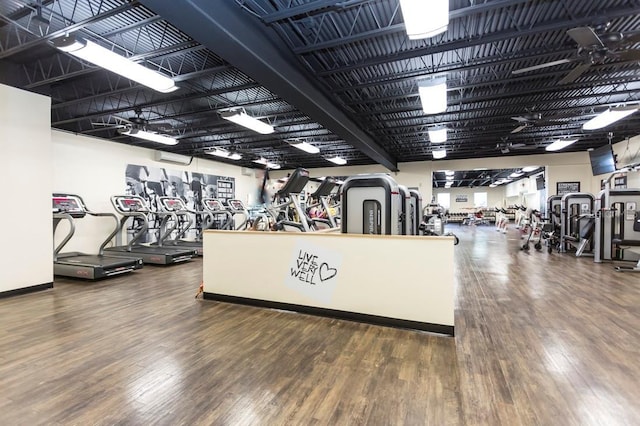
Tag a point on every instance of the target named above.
point(170, 157)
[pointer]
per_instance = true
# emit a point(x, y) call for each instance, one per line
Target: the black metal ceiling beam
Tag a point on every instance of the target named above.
point(158, 103)
point(398, 28)
point(73, 27)
point(541, 80)
point(309, 8)
point(481, 63)
point(484, 99)
point(483, 39)
point(245, 43)
point(26, 11)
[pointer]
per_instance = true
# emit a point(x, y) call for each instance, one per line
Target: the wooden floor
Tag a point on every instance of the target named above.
point(541, 339)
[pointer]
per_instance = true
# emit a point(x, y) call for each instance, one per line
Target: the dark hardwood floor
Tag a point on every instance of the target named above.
point(541, 339)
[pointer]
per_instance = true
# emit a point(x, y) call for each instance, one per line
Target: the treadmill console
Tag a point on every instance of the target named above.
point(173, 204)
point(213, 205)
point(236, 205)
point(68, 204)
point(130, 204)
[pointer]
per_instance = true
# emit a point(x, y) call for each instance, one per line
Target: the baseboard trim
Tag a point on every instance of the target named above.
point(333, 313)
point(25, 290)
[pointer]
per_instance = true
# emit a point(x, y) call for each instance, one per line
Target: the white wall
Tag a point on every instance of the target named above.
point(95, 169)
point(495, 197)
point(25, 122)
point(561, 167)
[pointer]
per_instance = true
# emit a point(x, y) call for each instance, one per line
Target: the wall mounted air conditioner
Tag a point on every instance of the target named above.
point(169, 157)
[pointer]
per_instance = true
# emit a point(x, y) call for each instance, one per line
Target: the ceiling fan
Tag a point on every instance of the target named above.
point(531, 119)
point(593, 49)
point(505, 146)
point(526, 120)
point(135, 122)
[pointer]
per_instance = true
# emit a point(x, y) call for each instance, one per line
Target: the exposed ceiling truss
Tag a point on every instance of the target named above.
point(340, 74)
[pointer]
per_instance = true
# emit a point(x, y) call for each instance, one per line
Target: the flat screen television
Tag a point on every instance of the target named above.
point(540, 182)
point(602, 160)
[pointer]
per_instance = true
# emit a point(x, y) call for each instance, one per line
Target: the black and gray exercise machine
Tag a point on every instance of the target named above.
point(240, 215)
point(554, 211)
point(577, 223)
point(617, 231)
point(416, 209)
point(371, 204)
point(433, 219)
point(287, 210)
point(321, 196)
point(81, 265)
point(219, 217)
point(185, 221)
point(134, 207)
point(407, 214)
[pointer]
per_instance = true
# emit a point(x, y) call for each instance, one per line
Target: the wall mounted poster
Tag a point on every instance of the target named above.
point(150, 183)
point(463, 198)
point(192, 187)
point(567, 187)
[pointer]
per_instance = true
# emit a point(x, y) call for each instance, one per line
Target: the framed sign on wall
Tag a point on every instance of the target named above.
point(567, 187)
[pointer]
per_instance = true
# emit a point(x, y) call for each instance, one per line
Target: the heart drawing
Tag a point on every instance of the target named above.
point(326, 273)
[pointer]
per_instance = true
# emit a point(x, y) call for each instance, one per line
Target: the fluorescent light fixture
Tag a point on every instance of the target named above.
point(439, 153)
point(423, 19)
point(449, 177)
point(241, 118)
point(105, 58)
point(437, 134)
point(337, 160)
point(304, 146)
point(559, 144)
point(449, 172)
point(152, 137)
point(608, 117)
point(268, 164)
point(480, 168)
point(433, 95)
point(493, 185)
point(516, 174)
point(448, 184)
point(530, 168)
point(223, 153)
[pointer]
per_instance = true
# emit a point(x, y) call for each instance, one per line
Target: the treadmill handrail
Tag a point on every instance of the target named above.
point(72, 229)
point(142, 214)
point(83, 205)
point(182, 211)
point(214, 212)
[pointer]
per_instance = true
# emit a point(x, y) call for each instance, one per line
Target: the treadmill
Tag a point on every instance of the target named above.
point(177, 206)
point(215, 209)
point(80, 265)
point(322, 195)
point(133, 206)
point(289, 196)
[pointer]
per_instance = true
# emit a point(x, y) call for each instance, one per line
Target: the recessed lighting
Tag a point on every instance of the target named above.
point(559, 144)
point(439, 153)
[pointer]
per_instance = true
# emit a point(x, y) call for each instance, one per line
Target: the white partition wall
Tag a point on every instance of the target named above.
point(404, 281)
point(26, 262)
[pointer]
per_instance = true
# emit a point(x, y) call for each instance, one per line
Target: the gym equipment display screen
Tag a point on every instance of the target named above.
point(131, 204)
point(66, 204)
point(602, 160)
point(173, 204)
point(236, 204)
point(214, 205)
